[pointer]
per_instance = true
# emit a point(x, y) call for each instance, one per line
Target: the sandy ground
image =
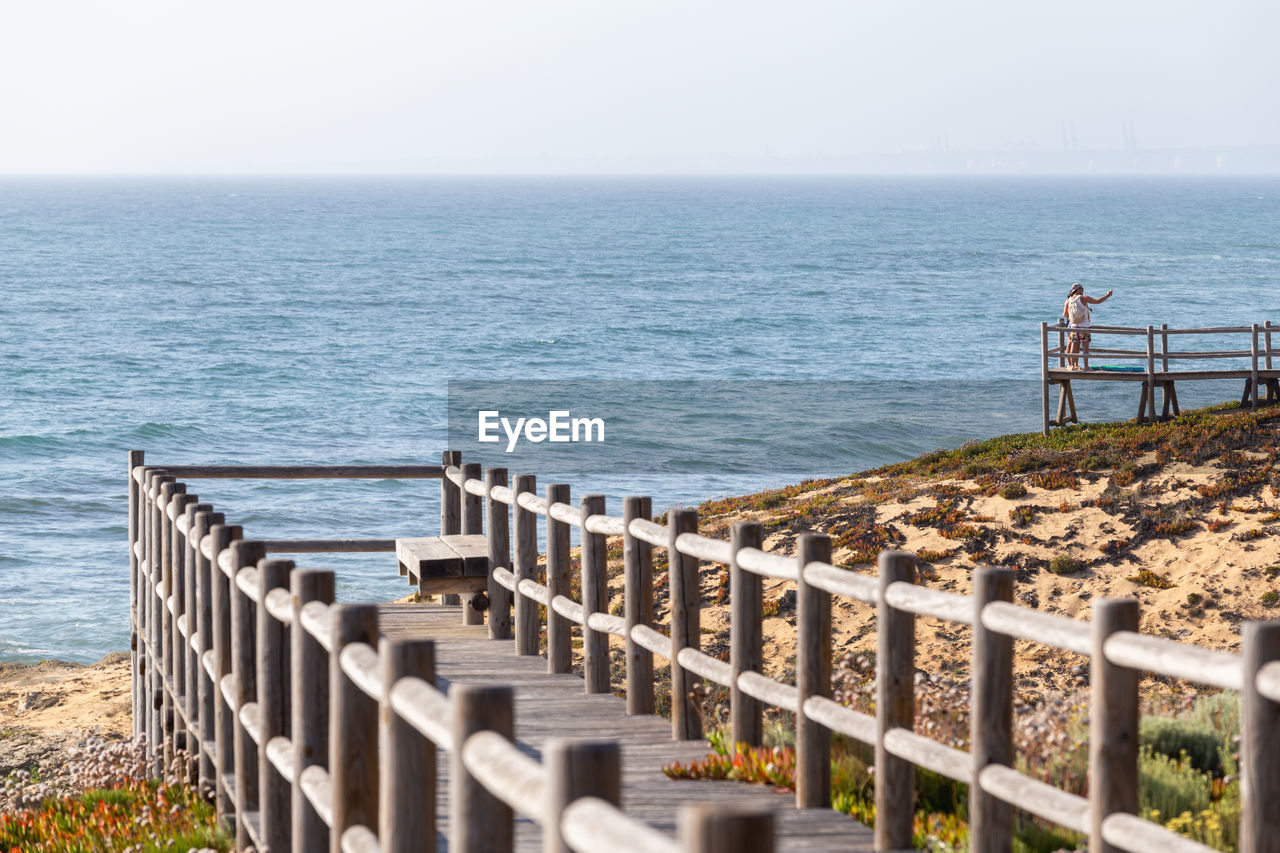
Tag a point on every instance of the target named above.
point(52, 706)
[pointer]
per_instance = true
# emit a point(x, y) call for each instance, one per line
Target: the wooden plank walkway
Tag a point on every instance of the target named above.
point(549, 706)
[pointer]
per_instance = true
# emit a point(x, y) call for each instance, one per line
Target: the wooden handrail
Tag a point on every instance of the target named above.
point(306, 472)
point(1176, 660)
point(1268, 681)
point(513, 777)
point(315, 619)
point(328, 546)
point(425, 708)
point(1048, 628)
point(593, 824)
point(360, 662)
point(1039, 798)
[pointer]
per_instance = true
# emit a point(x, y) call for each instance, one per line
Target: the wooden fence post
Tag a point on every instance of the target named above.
point(407, 765)
point(1113, 722)
point(813, 676)
point(637, 607)
point(1151, 375)
point(450, 509)
point(136, 458)
point(478, 821)
point(498, 523)
point(558, 627)
point(595, 599)
point(191, 655)
point(472, 525)
point(991, 717)
point(1266, 330)
point(178, 646)
point(1259, 743)
point(145, 597)
point(472, 505)
point(895, 706)
point(162, 630)
point(155, 654)
point(577, 769)
point(221, 537)
point(1044, 376)
point(720, 829)
point(526, 567)
point(1253, 368)
point(353, 726)
point(273, 666)
point(450, 506)
point(206, 690)
point(746, 642)
point(244, 686)
point(142, 671)
point(309, 704)
point(686, 616)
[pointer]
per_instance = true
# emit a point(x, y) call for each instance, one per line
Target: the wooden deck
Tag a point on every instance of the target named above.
point(551, 706)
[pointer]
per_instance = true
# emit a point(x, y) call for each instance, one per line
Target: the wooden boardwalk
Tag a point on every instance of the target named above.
point(556, 706)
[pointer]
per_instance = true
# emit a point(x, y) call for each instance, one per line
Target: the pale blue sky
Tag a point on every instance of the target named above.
point(156, 86)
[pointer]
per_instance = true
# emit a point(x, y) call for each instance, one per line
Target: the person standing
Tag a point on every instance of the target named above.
point(1076, 310)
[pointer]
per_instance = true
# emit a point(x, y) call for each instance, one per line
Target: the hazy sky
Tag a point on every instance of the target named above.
point(143, 86)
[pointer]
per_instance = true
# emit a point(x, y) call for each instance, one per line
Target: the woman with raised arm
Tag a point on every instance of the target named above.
point(1076, 310)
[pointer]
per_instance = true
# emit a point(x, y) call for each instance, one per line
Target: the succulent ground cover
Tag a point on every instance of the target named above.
point(1187, 762)
point(100, 800)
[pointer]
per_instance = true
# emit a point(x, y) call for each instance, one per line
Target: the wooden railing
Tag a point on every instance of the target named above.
point(311, 733)
point(1118, 654)
point(1117, 651)
point(1255, 362)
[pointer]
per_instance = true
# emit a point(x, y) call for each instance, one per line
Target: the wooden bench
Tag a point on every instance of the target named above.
point(441, 565)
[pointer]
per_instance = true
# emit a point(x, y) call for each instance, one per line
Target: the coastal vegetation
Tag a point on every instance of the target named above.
point(1179, 515)
point(1187, 761)
point(101, 800)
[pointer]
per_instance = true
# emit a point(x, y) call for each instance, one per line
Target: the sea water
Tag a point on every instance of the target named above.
point(320, 320)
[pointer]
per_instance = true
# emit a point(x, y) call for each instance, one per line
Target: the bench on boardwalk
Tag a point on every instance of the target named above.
point(452, 564)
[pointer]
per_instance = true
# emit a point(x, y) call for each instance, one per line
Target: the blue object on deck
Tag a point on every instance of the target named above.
point(1124, 369)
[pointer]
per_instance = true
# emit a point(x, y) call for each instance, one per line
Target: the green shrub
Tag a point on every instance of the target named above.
point(1146, 577)
point(1221, 712)
point(1170, 786)
point(1270, 598)
point(1065, 565)
point(1012, 491)
point(770, 500)
point(1175, 737)
point(1024, 463)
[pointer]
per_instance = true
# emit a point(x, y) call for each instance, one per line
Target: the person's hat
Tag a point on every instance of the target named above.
point(1076, 287)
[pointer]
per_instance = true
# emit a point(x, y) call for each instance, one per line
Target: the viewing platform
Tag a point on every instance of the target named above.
point(1156, 366)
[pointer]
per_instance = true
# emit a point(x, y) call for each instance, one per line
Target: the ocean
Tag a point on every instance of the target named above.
point(320, 320)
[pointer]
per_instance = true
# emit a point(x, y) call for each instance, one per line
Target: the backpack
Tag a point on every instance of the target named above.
point(1077, 311)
